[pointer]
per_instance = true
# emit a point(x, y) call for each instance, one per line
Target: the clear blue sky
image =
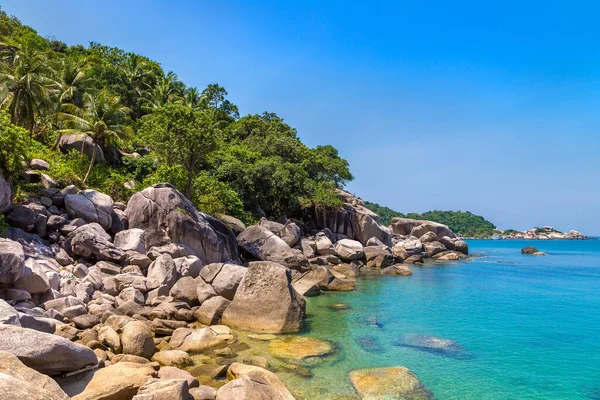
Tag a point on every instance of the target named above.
point(464, 105)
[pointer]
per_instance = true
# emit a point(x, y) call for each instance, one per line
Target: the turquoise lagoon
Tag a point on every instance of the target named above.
point(529, 326)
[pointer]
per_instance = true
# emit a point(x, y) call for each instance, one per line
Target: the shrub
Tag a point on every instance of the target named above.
point(14, 147)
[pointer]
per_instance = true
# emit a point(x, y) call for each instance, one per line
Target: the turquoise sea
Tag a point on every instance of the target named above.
point(525, 327)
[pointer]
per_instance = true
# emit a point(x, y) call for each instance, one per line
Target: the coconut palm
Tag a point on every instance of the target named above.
point(136, 69)
point(26, 87)
point(167, 91)
point(73, 79)
point(103, 118)
point(193, 99)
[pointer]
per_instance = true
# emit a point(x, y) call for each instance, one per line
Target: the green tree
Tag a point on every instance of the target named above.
point(103, 118)
point(214, 97)
point(181, 136)
point(166, 91)
point(26, 86)
point(14, 147)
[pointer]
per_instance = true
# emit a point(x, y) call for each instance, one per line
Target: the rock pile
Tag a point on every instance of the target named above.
point(122, 295)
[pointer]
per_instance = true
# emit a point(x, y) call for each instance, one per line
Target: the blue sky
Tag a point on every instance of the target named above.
point(463, 105)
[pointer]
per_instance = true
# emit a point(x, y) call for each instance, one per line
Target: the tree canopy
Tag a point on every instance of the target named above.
point(153, 127)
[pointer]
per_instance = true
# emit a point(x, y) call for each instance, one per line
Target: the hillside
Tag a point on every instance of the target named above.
point(103, 118)
point(463, 223)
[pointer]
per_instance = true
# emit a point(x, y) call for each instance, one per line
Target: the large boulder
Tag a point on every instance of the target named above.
point(266, 301)
point(34, 279)
point(274, 386)
point(418, 228)
point(44, 352)
point(12, 261)
point(167, 216)
point(199, 340)
point(5, 194)
point(164, 389)
point(349, 250)
point(83, 144)
point(264, 245)
point(389, 383)
point(228, 279)
point(131, 240)
point(209, 313)
point(26, 383)
point(90, 241)
point(91, 206)
point(13, 388)
point(136, 339)
point(120, 381)
point(354, 220)
point(8, 315)
point(164, 271)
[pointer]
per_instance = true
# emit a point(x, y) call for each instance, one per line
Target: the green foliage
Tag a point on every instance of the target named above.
point(460, 222)
point(180, 136)
point(14, 147)
point(196, 140)
point(139, 168)
point(510, 232)
point(386, 214)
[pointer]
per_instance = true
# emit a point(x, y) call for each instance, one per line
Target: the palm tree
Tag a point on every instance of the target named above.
point(103, 118)
point(166, 91)
point(73, 80)
point(136, 68)
point(192, 98)
point(26, 87)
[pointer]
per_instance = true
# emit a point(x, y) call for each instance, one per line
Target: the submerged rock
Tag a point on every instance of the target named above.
point(389, 383)
point(369, 344)
point(299, 348)
point(434, 345)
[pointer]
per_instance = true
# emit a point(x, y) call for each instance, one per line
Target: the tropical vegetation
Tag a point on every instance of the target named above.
point(152, 128)
point(463, 223)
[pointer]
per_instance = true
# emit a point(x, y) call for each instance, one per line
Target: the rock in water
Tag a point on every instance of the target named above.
point(253, 383)
point(529, 250)
point(434, 345)
point(265, 301)
point(167, 216)
point(299, 348)
point(369, 344)
point(44, 352)
point(393, 383)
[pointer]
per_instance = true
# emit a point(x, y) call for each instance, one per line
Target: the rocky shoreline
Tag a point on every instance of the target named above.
point(147, 300)
point(545, 233)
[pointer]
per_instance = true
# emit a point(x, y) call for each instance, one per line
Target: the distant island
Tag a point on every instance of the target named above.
point(469, 225)
point(463, 223)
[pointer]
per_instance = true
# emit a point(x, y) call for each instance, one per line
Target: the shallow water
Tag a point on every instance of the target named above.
point(525, 327)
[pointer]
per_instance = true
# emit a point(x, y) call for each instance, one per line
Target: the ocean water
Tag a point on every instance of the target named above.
point(523, 327)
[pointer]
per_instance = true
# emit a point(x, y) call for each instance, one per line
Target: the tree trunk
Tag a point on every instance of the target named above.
point(91, 162)
point(55, 145)
point(188, 189)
